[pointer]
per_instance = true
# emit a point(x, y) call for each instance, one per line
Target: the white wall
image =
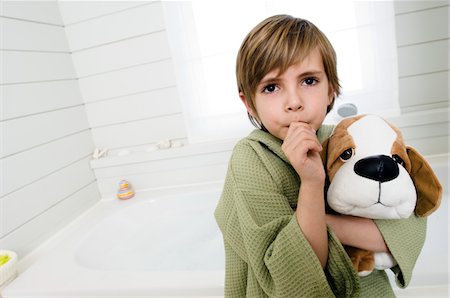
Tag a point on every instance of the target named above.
point(46, 143)
point(122, 59)
point(422, 30)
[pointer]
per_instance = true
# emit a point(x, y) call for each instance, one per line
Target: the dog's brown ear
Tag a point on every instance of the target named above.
point(428, 187)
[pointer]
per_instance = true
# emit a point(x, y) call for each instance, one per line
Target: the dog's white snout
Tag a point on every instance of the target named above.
point(380, 168)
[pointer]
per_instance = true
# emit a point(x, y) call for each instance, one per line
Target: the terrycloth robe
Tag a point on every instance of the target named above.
point(267, 255)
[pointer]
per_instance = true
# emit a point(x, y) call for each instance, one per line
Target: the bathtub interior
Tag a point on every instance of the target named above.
point(162, 243)
point(161, 234)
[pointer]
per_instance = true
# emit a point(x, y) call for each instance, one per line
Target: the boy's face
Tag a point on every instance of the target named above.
point(300, 94)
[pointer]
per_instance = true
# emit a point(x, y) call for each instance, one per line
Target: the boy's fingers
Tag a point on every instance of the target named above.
point(302, 145)
point(298, 134)
point(295, 125)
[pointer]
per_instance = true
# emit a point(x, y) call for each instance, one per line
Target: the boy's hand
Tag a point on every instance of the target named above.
point(302, 149)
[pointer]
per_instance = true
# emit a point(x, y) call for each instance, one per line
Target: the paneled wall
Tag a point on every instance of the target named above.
point(422, 33)
point(124, 66)
point(46, 143)
point(122, 59)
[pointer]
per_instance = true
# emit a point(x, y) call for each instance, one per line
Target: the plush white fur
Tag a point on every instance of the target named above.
point(355, 195)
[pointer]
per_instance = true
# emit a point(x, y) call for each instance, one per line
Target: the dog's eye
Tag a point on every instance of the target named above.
point(398, 160)
point(346, 155)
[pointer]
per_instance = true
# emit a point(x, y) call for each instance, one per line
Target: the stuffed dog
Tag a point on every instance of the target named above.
point(372, 174)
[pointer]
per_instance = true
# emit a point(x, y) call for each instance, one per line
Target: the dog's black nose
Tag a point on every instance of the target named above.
point(380, 168)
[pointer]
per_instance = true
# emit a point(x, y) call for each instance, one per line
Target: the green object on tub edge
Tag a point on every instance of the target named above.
point(4, 259)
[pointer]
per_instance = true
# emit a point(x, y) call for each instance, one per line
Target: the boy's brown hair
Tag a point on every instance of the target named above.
point(277, 43)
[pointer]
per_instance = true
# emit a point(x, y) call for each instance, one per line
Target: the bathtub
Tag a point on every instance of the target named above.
point(165, 243)
point(159, 243)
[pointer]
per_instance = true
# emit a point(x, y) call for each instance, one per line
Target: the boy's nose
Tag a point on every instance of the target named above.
point(294, 102)
point(295, 107)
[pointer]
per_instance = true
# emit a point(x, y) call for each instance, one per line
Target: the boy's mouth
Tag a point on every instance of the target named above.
point(289, 125)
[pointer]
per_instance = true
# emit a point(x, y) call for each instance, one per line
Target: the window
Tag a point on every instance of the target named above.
point(206, 35)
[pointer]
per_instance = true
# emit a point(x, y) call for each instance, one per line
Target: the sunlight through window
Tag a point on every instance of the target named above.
point(209, 33)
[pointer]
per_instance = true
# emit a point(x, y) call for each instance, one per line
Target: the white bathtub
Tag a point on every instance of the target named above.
point(166, 243)
point(163, 243)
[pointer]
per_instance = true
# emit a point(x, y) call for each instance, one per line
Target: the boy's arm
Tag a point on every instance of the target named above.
point(311, 219)
point(357, 231)
point(403, 238)
point(302, 148)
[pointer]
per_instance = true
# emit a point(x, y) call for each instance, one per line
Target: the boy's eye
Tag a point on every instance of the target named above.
point(310, 81)
point(270, 88)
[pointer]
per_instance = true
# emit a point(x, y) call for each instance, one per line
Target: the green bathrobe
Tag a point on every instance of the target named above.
point(267, 254)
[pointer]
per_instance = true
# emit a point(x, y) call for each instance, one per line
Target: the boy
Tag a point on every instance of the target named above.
point(278, 240)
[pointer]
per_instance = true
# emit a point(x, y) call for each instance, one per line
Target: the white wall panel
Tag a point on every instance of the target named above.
point(139, 132)
point(184, 176)
point(26, 167)
point(422, 34)
point(128, 81)
point(430, 146)
point(412, 29)
point(77, 11)
point(18, 67)
point(46, 143)
point(423, 58)
point(192, 164)
point(25, 99)
point(421, 118)
point(38, 11)
point(37, 230)
point(138, 106)
point(44, 194)
point(40, 37)
point(27, 132)
point(162, 165)
point(424, 89)
point(125, 53)
point(405, 6)
point(428, 130)
point(114, 27)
